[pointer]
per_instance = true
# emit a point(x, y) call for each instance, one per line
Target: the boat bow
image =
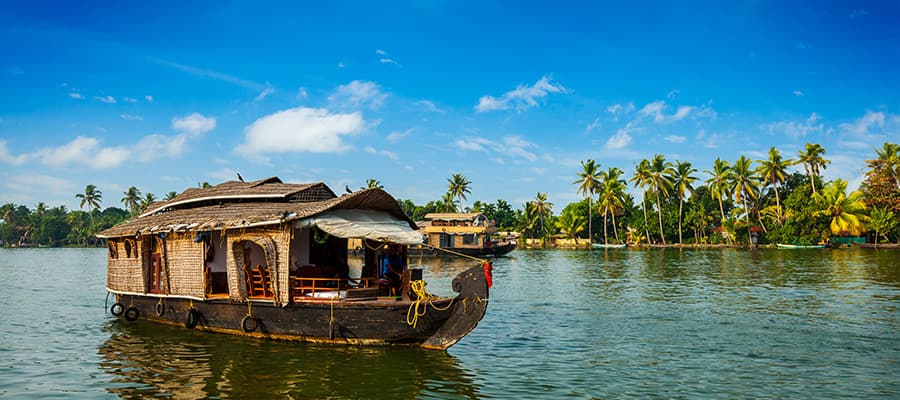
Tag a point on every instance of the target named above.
point(467, 309)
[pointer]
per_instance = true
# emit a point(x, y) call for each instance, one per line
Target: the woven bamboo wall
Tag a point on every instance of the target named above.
point(184, 264)
point(124, 273)
point(275, 242)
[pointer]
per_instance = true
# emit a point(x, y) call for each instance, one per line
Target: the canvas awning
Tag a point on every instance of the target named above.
point(364, 224)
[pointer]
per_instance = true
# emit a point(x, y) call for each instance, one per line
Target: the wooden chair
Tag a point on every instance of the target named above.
point(258, 282)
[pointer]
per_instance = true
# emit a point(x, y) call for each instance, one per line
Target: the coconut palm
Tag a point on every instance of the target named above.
point(373, 184)
point(773, 171)
point(446, 203)
point(848, 213)
point(612, 189)
point(743, 184)
point(890, 155)
point(661, 173)
point(458, 187)
point(92, 198)
point(542, 209)
point(132, 199)
point(812, 161)
point(683, 182)
point(170, 196)
point(571, 224)
point(718, 182)
point(588, 182)
point(882, 221)
point(641, 178)
point(148, 199)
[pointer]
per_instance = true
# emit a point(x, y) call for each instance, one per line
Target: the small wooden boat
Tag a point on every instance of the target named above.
point(268, 259)
point(609, 246)
point(799, 246)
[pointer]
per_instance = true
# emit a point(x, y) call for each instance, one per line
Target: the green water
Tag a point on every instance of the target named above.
point(561, 324)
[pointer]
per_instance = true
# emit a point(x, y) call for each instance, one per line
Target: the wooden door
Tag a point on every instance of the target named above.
point(156, 274)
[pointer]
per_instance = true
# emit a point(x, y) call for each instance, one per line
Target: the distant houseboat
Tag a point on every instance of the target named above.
point(268, 259)
point(471, 234)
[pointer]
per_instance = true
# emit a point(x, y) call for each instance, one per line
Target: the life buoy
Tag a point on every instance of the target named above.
point(117, 309)
point(191, 318)
point(249, 324)
point(132, 314)
point(489, 273)
point(160, 309)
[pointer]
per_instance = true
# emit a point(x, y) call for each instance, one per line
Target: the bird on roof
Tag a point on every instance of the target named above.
point(347, 188)
point(240, 178)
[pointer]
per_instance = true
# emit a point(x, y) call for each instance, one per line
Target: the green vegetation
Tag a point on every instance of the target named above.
point(731, 204)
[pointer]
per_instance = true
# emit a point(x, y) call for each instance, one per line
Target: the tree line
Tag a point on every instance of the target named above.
point(730, 203)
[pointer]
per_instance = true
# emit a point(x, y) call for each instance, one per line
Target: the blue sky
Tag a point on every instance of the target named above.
point(514, 95)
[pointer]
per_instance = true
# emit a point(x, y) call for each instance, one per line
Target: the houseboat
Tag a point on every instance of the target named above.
point(470, 234)
point(268, 259)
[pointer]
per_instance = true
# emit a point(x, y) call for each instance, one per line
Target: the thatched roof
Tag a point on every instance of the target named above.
point(452, 216)
point(269, 189)
point(242, 205)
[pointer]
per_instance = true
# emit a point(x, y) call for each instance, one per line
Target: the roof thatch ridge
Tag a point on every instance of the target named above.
point(272, 179)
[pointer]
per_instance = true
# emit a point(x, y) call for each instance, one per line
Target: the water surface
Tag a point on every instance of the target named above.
point(614, 323)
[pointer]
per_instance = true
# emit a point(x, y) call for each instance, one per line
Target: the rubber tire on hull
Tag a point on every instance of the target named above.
point(160, 309)
point(191, 318)
point(249, 324)
point(132, 314)
point(117, 309)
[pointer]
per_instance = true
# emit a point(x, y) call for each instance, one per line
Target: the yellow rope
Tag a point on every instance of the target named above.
point(249, 310)
point(423, 300)
point(481, 260)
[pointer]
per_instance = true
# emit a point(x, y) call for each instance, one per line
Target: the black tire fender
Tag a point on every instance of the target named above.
point(132, 314)
point(249, 324)
point(117, 309)
point(160, 309)
point(191, 318)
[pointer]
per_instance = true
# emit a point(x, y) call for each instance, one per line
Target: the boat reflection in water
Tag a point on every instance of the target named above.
point(149, 360)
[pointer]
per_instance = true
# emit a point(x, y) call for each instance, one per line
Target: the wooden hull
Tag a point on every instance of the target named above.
point(368, 322)
point(492, 251)
point(799, 246)
point(894, 246)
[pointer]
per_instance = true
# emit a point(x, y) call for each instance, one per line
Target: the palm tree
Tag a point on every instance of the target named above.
point(848, 213)
point(718, 182)
point(812, 160)
point(446, 203)
point(458, 187)
point(641, 178)
point(890, 155)
point(92, 197)
point(743, 185)
point(203, 185)
point(772, 172)
point(660, 176)
point(684, 183)
point(542, 208)
point(882, 221)
point(612, 189)
point(571, 224)
point(170, 196)
point(132, 199)
point(372, 183)
point(588, 181)
point(148, 199)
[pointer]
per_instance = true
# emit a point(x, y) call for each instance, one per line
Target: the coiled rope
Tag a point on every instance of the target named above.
point(423, 300)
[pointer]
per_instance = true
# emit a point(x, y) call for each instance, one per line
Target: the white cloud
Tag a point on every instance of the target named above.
point(618, 141)
point(129, 99)
point(398, 135)
point(264, 93)
point(76, 95)
point(682, 112)
point(385, 60)
point(301, 93)
point(156, 146)
point(106, 99)
point(208, 73)
point(148, 98)
point(617, 109)
point(340, 64)
point(131, 117)
point(654, 110)
point(796, 129)
point(300, 129)
point(510, 146)
point(429, 106)
point(370, 150)
point(673, 94)
point(358, 93)
point(7, 157)
point(798, 93)
point(194, 124)
point(675, 139)
point(864, 124)
point(85, 151)
point(522, 97)
point(593, 125)
point(380, 52)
